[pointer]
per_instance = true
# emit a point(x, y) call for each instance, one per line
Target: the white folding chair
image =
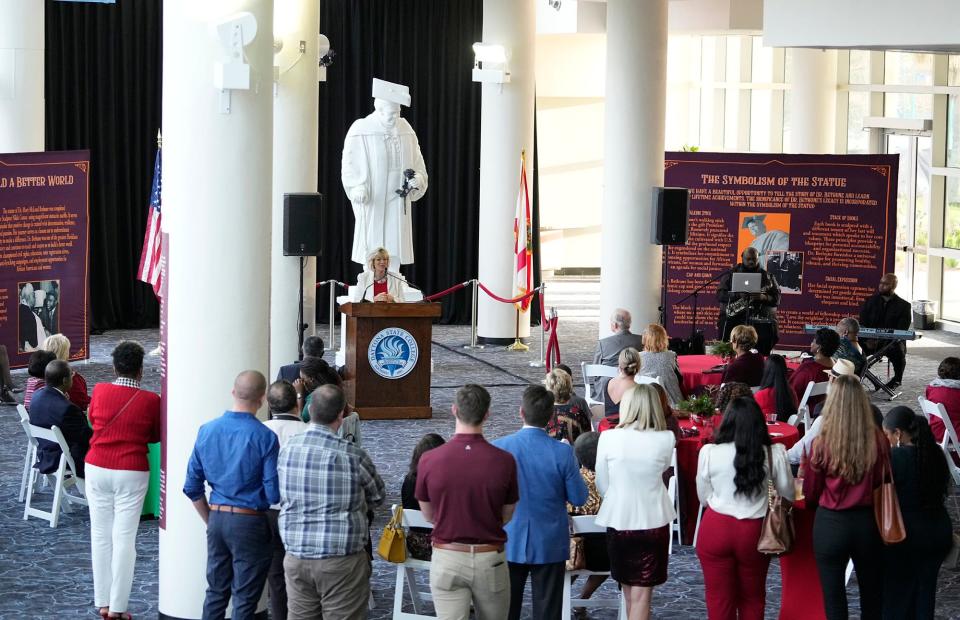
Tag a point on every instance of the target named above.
point(589, 373)
point(949, 443)
point(405, 575)
point(696, 530)
point(31, 457)
point(813, 389)
point(644, 380)
point(64, 478)
point(585, 525)
point(675, 500)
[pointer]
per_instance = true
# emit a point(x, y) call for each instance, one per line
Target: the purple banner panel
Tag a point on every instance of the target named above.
point(44, 264)
point(825, 227)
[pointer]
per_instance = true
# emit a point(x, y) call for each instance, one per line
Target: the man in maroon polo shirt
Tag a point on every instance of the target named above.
point(468, 489)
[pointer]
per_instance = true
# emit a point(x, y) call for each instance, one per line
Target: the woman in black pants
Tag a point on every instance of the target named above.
point(845, 467)
point(920, 473)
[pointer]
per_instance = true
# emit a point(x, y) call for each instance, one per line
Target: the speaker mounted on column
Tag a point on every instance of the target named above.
point(670, 207)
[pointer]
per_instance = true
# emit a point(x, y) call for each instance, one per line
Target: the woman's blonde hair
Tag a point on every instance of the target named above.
point(847, 443)
point(743, 337)
point(655, 338)
point(560, 383)
point(378, 253)
point(640, 409)
point(59, 345)
point(629, 361)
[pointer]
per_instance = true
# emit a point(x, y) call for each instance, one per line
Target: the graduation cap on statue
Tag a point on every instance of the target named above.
point(394, 93)
point(753, 219)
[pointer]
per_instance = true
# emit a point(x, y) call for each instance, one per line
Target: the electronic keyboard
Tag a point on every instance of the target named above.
point(871, 332)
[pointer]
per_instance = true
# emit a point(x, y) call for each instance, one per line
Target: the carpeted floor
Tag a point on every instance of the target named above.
point(45, 573)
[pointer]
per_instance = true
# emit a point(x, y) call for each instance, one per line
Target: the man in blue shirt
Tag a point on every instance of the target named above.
point(237, 456)
point(538, 541)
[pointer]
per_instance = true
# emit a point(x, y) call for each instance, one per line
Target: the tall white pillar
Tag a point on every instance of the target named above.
point(216, 195)
point(21, 76)
point(507, 129)
point(813, 101)
point(295, 118)
point(633, 157)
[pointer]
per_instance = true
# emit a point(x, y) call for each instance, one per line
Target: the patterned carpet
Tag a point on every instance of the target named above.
point(45, 573)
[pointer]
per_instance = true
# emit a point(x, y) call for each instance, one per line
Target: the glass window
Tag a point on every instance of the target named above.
point(908, 68)
point(786, 121)
point(760, 109)
point(903, 105)
point(922, 208)
point(858, 140)
point(859, 67)
point(953, 131)
point(950, 304)
point(762, 62)
point(902, 146)
point(787, 65)
point(951, 216)
point(953, 76)
point(920, 270)
point(733, 59)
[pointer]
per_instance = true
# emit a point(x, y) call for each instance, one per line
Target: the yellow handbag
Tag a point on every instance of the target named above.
point(393, 545)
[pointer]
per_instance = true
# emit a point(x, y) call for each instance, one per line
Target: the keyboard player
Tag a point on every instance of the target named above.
point(886, 310)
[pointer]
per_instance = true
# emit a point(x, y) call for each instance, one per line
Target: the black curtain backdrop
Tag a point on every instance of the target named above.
point(426, 45)
point(103, 86)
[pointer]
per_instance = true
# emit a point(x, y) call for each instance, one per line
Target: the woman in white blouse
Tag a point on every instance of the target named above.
point(732, 477)
point(636, 508)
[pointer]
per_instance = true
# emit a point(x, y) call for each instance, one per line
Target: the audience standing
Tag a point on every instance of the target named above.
point(845, 466)
point(237, 456)
point(636, 508)
point(36, 368)
point(945, 389)
point(50, 407)
point(468, 489)
point(327, 485)
point(285, 422)
point(571, 416)
point(418, 538)
point(921, 477)
point(747, 366)
point(732, 478)
point(775, 394)
point(537, 536)
point(845, 394)
point(59, 345)
point(659, 362)
point(125, 419)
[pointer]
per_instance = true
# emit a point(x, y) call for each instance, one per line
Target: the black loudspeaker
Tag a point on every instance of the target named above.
point(670, 206)
point(303, 222)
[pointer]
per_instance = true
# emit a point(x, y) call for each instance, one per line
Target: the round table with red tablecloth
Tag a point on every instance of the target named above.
point(695, 370)
point(688, 453)
point(801, 597)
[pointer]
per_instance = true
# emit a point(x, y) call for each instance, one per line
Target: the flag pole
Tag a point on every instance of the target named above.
point(517, 345)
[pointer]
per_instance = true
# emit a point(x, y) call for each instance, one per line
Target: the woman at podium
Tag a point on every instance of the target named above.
point(377, 283)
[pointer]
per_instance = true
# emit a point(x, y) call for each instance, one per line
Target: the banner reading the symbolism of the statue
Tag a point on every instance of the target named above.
point(824, 225)
point(44, 266)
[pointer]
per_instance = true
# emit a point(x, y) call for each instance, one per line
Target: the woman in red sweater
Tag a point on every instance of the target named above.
point(945, 389)
point(124, 419)
point(59, 345)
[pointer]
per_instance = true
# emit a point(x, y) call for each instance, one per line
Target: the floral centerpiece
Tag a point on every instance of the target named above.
point(722, 349)
point(701, 405)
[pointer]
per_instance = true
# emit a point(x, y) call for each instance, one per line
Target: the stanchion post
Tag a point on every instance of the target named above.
point(473, 316)
point(333, 295)
point(540, 363)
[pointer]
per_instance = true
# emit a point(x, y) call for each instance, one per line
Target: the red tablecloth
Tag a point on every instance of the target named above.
point(801, 596)
point(692, 368)
point(688, 452)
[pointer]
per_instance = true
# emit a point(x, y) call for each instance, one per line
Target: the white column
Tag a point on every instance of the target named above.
point(295, 117)
point(813, 100)
point(216, 196)
point(633, 157)
point(21, 76)
point(507, 129)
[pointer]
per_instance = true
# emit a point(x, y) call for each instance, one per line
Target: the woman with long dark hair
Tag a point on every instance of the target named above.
point(418, 538)
point(921, 477)
point(845, 467)
point(775, 394)
point(732, 477)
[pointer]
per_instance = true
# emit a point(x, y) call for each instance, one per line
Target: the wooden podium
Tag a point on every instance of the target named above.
point(377, 397)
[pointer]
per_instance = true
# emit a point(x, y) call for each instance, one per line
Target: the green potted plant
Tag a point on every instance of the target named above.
point(701, 405)
point(723, 349)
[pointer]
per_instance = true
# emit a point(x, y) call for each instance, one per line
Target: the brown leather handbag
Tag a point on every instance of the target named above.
point(886, 507)
point(776, 533)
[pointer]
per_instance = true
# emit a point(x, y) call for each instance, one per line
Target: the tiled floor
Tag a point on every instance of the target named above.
point(45, 573)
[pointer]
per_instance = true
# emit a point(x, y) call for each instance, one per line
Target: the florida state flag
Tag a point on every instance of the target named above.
point(523, 242)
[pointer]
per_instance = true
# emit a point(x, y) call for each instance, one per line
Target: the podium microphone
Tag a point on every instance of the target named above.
point(405, 281)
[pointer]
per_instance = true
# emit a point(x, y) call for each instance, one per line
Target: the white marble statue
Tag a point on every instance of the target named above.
point(383, 173)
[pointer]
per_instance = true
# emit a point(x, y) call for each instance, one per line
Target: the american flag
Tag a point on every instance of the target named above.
point(523, 241)
point(151, 259)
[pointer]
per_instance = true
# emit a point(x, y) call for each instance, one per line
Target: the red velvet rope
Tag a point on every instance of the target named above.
point(452, 289)
point(552, 353)
point(506, 301)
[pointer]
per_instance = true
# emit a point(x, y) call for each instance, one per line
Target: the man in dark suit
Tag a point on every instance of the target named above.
point(886, 310)
point(27, 338)
point(312, 347)
point(51, 407)
point(609, 348)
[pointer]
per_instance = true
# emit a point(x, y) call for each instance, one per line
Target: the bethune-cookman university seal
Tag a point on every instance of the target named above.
point(393, 353)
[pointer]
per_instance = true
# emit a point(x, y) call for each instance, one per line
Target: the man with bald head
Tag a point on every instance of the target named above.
point(736, 308)
point(608, 349)
point(50, 407)
point(886, 310)
point(236, 455)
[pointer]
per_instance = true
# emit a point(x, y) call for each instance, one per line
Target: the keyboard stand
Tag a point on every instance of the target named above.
point(874, 379)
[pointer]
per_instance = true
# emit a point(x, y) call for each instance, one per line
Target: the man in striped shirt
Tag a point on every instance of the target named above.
point(327, 484)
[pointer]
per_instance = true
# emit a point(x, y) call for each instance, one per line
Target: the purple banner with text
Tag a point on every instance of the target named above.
point(824, 226)
point(44, 265)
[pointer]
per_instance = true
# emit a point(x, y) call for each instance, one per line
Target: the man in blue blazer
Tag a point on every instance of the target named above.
point(50, 407)
point(538, 539)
